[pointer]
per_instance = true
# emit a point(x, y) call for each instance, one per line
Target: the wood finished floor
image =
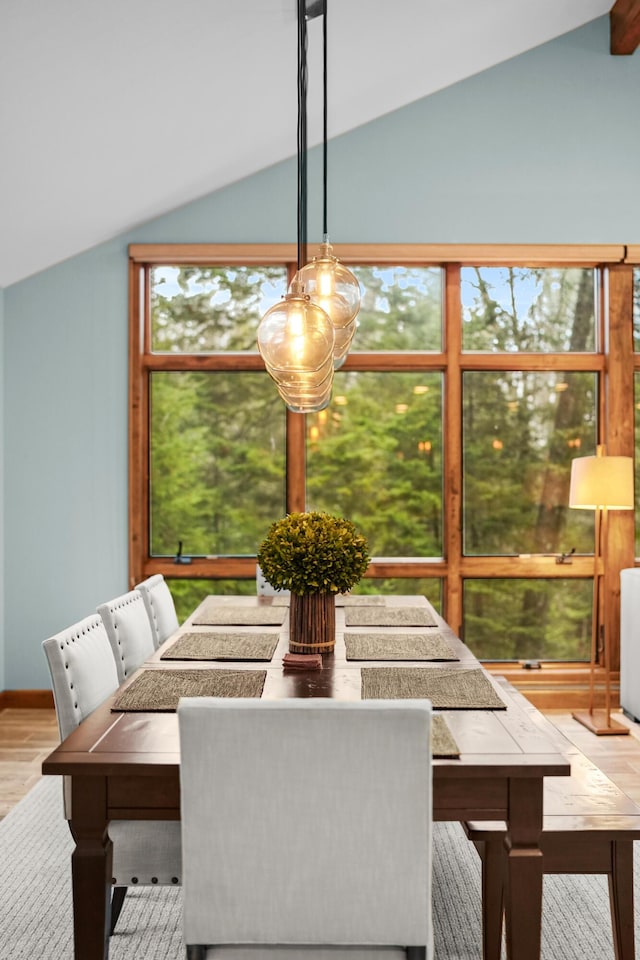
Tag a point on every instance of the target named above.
point(28, 736)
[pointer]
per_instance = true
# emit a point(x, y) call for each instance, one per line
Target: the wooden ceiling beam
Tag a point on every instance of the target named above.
point(624, 19)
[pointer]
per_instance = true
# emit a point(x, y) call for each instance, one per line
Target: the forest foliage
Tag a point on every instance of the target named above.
point(375, 456)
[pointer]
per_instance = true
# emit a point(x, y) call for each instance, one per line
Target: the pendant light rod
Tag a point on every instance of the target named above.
point(325, 232)
point(302, 133)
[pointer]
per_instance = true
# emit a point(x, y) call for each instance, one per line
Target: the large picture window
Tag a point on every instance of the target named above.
point(476, 375)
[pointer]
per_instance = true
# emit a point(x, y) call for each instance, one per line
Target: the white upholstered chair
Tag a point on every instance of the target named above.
point(129, 630)
point(159, 606)
point(83, 674)
point(306, 828)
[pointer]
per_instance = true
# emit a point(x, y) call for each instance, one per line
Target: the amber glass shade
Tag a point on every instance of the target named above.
point(331, 286)
point(296, 339)
point(344, 338)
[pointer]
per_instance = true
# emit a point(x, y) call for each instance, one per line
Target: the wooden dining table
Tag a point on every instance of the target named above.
point(126, 765)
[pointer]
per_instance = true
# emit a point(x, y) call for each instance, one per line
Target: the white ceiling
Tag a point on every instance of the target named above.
point(116, 111)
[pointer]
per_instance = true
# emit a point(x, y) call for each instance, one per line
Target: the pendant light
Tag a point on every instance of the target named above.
point(296, 337)
point(328, 282)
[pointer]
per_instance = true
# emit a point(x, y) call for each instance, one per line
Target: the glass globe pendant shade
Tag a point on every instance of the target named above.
point(295, 339)
point(305, 404)
point(295, 335)
point(331, 286)
point(344, 338)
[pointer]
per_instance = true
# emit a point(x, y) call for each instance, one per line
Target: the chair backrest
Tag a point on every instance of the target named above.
point(159, 606)
point(129, 630)
point(306, 821)
point(264, 588)
point(83, 671)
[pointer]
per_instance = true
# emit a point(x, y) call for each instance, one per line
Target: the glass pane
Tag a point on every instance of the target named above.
point(401, 308)
point(188, 594)
point(217, 462)
point(520, 432)
point(636, 308)
point(429, 587)
point(521, 309)
point(206, 309)
point(374, 456)
point(528, 619)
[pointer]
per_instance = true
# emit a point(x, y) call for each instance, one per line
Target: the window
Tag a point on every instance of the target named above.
point(476, 376)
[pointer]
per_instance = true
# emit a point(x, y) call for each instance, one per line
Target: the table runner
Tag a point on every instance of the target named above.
point(160, 690)
point(382, 616)
point(397, 646)
point(442, 741)
point(222, 615)
point(222, 646)
point(447, 689)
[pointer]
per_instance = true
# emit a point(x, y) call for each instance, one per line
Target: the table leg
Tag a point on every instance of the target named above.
point(523, 888)
point(91, 864)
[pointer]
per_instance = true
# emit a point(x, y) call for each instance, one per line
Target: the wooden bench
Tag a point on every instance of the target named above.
point(589, 827)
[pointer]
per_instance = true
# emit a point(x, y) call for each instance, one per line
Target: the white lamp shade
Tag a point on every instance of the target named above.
point(602, 482)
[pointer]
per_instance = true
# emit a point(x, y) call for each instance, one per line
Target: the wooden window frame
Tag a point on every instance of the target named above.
point(613, 361)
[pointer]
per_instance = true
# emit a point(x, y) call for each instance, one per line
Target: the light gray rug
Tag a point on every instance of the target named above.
point(35, 899)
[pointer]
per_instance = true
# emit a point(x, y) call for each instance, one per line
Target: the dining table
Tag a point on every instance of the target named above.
point(123, 761)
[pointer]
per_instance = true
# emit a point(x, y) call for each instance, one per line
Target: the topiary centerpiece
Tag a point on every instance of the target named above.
point(315, 556)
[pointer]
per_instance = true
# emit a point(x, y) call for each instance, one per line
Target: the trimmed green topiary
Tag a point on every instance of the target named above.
point(313, 553)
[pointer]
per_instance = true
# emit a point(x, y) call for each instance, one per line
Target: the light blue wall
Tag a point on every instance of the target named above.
point(2, 459)
point(543, 148)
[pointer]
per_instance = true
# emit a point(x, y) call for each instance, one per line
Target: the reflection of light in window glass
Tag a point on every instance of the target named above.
point(217, 462)
point(525, 309)
point(401, 308)
point(528, 619)
point(519, 437)
point(205, 309)
point(379, 468)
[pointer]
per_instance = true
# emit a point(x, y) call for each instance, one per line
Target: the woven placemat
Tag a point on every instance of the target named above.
point(442, 742)
point(447, 689)
point(397, 646)
point(160, 690)
point(280, 599)
point(360, 600)
point(225, 615)
point(381, 616)
point(222, 646)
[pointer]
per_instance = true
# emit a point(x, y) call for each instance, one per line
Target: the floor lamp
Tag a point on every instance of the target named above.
point(601, 484)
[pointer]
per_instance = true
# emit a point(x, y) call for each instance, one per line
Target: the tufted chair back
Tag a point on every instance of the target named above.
point(83, 674)
point(129, 630)
point(83, 671)
point(159, 606)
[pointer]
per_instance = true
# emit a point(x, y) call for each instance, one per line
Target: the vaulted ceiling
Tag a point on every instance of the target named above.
point(115, 112)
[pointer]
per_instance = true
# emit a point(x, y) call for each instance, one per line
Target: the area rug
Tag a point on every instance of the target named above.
point(36, 919)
